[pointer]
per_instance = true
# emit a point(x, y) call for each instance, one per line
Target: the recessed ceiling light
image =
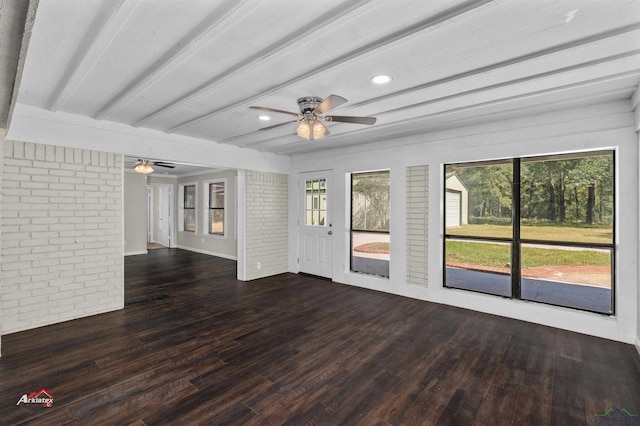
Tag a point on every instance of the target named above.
point(380, 79)
point(264, 117)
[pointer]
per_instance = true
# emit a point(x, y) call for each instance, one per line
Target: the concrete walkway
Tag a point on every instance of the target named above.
point(589, 298)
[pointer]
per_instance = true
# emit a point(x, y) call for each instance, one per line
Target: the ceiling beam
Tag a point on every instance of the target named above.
point(472, 73)
point(279, 46)
point(512, 61)
point(13, 16)
point(407, 127)
point(519, 81)
point(214, 24)
point(429, 24)
point(103, 30)
point(244, 141)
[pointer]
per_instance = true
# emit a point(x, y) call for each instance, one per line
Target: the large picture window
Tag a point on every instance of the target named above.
point(370, 223)
point(534, 228)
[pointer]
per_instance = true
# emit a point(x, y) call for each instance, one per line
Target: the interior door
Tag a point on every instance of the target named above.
point(315, 232)
point(150, 214)
point(164, 220)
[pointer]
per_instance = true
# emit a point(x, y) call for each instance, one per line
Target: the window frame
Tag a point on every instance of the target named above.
point(182, 216)
point(313, 208)
point(517, 242)
point(352, 230)
point(206, 209)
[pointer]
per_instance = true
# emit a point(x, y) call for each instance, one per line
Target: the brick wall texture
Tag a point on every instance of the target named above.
point(417, 224)
point(61, 235)
point(267, 224)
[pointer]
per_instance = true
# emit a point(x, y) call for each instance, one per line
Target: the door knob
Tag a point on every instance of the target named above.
point(329, 232)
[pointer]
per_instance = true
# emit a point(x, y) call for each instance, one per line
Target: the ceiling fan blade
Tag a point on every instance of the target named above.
point(351, 119)
point(274, 110)
point(333, 101)
point(167, 165)
point(279, 124)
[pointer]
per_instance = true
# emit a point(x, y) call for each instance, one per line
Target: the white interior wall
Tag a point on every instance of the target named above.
point(608, 125)
point(2, 141)
point(135, 214)
point(637, 340)
point(224, 246)
point(264, 219)
point(635, 104)
point(62, 220)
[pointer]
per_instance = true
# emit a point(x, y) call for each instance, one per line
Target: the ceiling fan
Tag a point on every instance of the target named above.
point(313, 112)
point(146, 166)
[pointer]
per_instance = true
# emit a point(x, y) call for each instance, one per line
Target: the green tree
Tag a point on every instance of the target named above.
point(370, 201)
point(489, 189)
point(595, 176)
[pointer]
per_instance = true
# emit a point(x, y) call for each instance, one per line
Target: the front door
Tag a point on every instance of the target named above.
point(315, 232)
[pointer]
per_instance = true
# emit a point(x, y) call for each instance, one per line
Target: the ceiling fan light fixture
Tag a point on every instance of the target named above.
point(304, 129)
point(319, 130)
point(313, 112)
point(311, 129)
point(143, 167)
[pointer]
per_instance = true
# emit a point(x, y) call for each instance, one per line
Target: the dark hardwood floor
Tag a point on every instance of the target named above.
point(195, 346)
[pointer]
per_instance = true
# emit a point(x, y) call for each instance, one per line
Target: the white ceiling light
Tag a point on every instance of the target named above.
point(381, 79)
point(143, 167)
point(311, 128)
point(264, 118)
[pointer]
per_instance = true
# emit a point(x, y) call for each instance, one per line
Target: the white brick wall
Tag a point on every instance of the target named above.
point(417, 224)
point(2, 143)
point(266, 239)
point(61, 235)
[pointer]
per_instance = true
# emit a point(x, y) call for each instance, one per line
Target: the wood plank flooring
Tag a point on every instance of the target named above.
point(195, 346)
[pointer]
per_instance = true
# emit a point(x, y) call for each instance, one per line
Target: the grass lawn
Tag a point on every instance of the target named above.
point(498, 255)
point(376, 247)
point(579, 233)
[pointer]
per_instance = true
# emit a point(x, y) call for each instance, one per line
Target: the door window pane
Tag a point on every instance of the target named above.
point(316, 202)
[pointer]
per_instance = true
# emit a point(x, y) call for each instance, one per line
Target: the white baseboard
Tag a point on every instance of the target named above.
point(133, 253)
point(210, 253)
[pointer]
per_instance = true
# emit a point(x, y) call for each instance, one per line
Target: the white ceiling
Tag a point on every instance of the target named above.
point(193, 67)
point(12, 25)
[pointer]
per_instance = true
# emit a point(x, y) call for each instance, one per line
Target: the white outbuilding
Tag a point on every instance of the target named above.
point(457, 202)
